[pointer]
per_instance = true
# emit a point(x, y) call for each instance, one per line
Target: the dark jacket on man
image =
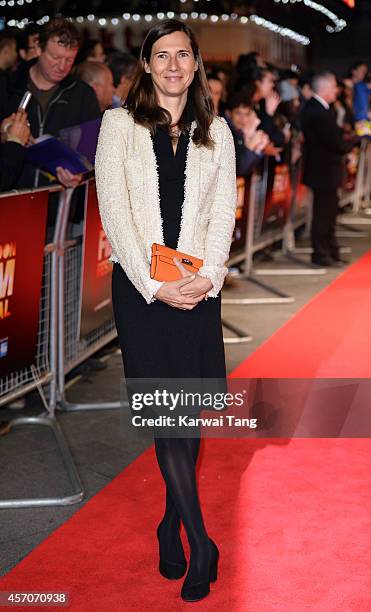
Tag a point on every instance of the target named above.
point(324, 147)
point(72, 103)
point(11, 163)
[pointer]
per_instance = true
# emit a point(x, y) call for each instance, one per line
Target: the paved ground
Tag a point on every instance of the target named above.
point(31, 463)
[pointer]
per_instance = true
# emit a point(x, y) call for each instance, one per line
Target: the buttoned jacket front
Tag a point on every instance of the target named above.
point(129, 201)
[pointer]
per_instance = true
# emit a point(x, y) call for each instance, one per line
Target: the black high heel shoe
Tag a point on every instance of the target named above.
point(171, 569)
point(199, 590)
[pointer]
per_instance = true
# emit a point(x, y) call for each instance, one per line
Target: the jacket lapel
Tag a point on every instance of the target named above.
point(150, 181)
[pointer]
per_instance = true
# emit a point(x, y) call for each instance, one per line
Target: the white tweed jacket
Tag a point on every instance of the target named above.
point(129, 202)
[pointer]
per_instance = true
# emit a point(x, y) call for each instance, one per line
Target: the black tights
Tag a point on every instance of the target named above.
point(177, 459)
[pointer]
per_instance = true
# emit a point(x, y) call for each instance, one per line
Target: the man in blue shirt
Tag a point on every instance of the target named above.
point(361, 91)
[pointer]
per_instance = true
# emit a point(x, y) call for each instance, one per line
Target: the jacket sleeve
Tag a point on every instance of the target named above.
point(330, 135)
point(222, 218)
point(114, 206)
point(12, 156)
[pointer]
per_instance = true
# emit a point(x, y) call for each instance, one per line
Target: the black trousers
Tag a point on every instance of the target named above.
point(325, 209)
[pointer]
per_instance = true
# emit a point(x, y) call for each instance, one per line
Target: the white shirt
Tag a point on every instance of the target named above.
point(321, 101)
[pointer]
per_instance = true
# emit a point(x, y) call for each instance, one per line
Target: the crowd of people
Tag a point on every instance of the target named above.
point(270, 112)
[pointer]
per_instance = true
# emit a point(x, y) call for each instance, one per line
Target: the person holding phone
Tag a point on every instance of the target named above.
point(58, 99)
point(166, 174)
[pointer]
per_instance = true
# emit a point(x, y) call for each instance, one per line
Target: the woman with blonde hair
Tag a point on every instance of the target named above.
point(165, 174)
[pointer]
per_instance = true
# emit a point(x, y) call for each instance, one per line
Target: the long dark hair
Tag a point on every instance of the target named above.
point(141, 100)
point(247, 79)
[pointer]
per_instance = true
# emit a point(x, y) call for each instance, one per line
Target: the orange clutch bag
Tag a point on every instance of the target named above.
point(163, 267)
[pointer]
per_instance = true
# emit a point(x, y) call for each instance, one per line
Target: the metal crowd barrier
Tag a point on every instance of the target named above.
point(295, 219)
point(238, 240)
point(16, 384)
point(72, 351)
point(256, 240)
point(359, 196)
point(42, 372)
point(365, 184)
point(60, 349)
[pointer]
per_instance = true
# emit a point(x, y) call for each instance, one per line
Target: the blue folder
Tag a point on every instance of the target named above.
point(48, 153)
point(83, 138)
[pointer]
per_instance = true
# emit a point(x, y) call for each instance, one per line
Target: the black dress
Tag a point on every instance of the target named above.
point(158, 340)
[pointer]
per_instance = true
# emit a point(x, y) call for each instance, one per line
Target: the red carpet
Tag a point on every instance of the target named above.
point(330, 337)
point(291, 517)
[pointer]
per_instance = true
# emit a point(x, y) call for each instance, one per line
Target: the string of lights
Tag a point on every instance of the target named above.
point(11, 3)
point(303, 40)
point(338, 24)
point(194, 16)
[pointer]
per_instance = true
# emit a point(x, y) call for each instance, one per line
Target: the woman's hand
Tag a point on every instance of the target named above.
point(170, 293)
point(186, 292)
point(199, 286)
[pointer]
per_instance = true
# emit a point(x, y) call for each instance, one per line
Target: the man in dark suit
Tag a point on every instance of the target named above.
point(324, 148)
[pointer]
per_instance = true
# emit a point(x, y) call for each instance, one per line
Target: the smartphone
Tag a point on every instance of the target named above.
point(25, 100)
point(22, 106)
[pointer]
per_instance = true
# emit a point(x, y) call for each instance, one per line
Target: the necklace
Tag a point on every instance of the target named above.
point(174, 134)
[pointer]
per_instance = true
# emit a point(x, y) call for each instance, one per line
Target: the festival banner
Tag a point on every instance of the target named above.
point(303, 194)
point(239, 234)
point(303, 197)
point(279, 196)
point(95, 297)
point(22, 238)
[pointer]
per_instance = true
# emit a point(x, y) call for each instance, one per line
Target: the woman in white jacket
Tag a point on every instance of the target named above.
point(165, 173)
